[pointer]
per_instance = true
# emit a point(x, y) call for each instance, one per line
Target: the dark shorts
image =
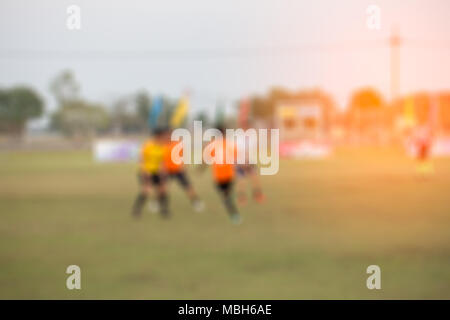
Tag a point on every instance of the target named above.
point(150, 178)
point(225, 186)
point(181, 177)
point(246, 169)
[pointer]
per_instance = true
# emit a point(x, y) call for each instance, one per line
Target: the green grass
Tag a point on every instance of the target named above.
point(323, 224)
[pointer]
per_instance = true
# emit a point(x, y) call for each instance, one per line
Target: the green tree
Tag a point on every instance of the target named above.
point(125, 118)
point(204, 118)
point(167, 111)
point(143, 106)
point(17, 106)
point(65, 88)
point(80, 119)
point(76, 117)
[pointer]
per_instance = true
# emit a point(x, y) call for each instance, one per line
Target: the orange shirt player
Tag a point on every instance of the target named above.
point(176, 171)
point(223, 174)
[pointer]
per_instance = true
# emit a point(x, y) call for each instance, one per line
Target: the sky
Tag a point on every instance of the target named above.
point(223, 50)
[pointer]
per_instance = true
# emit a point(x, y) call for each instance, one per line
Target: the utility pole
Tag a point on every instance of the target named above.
point(394, 43)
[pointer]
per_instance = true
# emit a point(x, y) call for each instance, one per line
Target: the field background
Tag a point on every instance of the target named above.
point(323, 224)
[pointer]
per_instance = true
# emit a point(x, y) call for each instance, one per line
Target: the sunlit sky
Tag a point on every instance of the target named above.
point(223, 49)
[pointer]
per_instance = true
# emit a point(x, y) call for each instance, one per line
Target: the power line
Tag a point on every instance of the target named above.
point(215, 53)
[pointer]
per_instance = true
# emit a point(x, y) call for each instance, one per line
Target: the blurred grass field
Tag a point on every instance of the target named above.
point(323, 224)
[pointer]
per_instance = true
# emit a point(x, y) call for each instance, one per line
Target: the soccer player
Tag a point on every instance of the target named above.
point(423, 141)
point(151, 173)
point(176, 171)
point(223, 173)
point(247, 170)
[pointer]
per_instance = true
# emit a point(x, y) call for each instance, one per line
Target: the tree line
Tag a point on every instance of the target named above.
point(77, 117)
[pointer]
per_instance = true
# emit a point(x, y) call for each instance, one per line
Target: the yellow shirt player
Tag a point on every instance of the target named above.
point(152, 173)
point(151, 158)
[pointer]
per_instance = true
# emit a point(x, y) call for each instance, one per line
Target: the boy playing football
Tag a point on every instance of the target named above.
point(151, 173)
point(223, 173)
point(176, 171)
